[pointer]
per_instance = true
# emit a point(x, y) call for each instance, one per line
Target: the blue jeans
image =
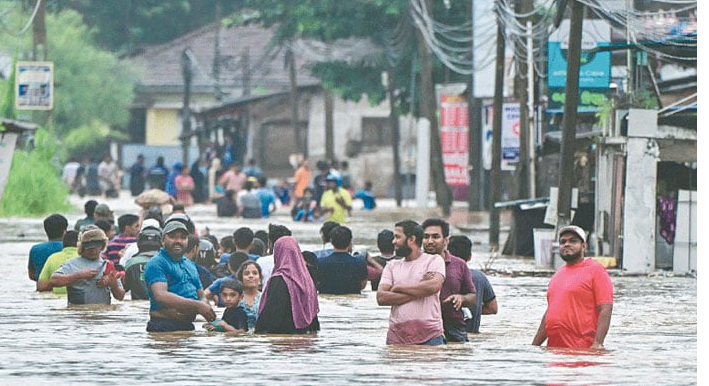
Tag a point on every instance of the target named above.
point(439, 340)
point(456, 334)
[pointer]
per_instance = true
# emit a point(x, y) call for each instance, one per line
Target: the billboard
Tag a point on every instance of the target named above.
point(595, 70)
point(454, 138)
point(34, 85)
point(509, 139)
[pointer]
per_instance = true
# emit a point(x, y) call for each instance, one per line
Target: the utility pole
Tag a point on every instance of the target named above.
point(495, 172)
point(245, 117)
point(290, 59)
point(216, 63)
point(568, 138)
point(39, 53)
point(395, 138)
point(39, 33)
point(630, 63)
point(475, 182)
point(531, 158)
point(521, 171)
point(428, 110)
point(329, 124)
point(186, 118)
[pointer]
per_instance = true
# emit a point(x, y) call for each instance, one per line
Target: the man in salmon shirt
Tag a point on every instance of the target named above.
point(411, 286)
point(579, 298)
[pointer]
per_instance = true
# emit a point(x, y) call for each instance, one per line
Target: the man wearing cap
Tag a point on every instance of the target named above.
point(336, 202)
point(175, 291)
point(579, 298)
point(103, 212)
point(132, 249)
point(148, 244)
point(88, 278)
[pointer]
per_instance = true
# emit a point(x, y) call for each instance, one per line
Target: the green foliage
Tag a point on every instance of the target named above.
point(7, 107)
point(321, 19)
point(88, 140)
point(641, 99)
point(351, 82)
point(328, 20)
point(34, 186)
point(125, 26)
point(89, 84)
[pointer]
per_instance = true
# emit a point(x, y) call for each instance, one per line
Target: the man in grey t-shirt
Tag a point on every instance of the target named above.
point(88, 278)
point(486, 300)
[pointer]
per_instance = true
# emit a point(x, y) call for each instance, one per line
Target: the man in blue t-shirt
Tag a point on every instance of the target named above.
point(365, 194)
point(266, 198)
point(340, 272)
point(174, 288)
point(54, 226)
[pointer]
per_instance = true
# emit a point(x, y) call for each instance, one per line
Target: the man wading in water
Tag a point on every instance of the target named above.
point(174, 288)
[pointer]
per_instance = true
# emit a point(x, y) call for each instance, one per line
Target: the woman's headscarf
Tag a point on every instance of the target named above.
point(289, 264)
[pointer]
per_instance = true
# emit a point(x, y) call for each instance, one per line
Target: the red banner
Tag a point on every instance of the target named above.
point(454, 138)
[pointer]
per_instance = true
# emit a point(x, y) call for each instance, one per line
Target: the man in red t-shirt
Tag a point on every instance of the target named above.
point(579, 298)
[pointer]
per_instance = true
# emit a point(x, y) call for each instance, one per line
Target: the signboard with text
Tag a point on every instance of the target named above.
point(510, 133)
point(510, 136)
point(595, 70)
point(34, 85)
point(454, 138)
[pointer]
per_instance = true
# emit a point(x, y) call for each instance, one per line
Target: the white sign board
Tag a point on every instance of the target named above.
point(34, 85)
point(510, 136)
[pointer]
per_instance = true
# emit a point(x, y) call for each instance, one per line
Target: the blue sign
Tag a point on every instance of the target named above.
point(595, 71)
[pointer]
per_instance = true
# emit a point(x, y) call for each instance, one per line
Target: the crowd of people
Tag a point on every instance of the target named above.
point(235, 190)
point(267, 283)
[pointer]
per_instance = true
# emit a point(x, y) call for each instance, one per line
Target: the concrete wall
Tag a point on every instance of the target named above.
point(639, 206)
point(162, 127)
point(372, 163)
point(647, 144)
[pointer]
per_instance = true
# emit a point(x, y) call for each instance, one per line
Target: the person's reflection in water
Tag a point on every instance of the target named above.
point(295, 343)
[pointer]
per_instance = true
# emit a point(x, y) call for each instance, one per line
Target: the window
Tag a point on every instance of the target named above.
point(376, 131)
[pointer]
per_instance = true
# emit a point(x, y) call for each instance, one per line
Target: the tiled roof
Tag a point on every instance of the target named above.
point(160, 66)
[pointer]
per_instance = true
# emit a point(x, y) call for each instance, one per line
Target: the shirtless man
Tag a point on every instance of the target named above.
point(174, 306)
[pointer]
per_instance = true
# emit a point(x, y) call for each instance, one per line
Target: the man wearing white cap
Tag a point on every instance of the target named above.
point(175, 291)
point(579, 298)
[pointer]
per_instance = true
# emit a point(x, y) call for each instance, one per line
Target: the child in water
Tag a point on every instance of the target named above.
point(234, 317)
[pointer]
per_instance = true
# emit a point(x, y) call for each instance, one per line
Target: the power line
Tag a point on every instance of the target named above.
point(29, 22)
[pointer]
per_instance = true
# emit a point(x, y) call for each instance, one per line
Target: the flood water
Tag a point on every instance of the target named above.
point(652, 338)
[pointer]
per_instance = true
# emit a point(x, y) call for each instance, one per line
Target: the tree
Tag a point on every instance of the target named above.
point(124, 26)
point(89, 84)
point(329, 20)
